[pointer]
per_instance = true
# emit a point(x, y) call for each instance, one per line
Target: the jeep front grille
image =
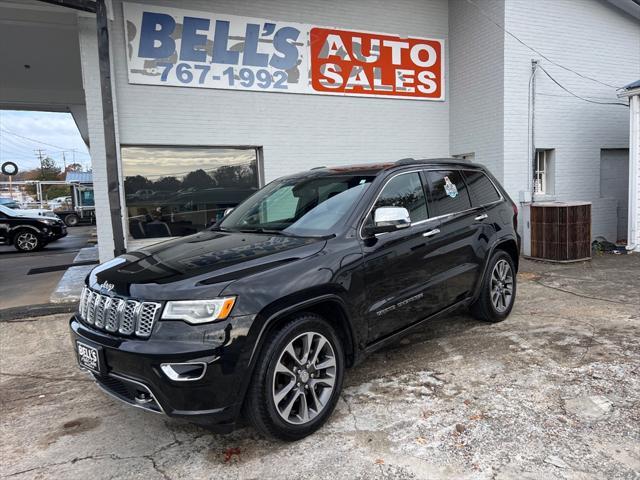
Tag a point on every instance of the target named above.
point(117, 315)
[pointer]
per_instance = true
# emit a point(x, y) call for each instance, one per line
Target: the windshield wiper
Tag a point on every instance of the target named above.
point(262, 230)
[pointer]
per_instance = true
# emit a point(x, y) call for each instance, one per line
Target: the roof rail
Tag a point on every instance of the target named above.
point(405, 161)
point(318, 168)
point(454, 161)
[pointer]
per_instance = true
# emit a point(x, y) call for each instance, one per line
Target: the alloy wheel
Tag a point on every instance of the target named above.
point(304, 378)
point(501, 286)
point(27, 241)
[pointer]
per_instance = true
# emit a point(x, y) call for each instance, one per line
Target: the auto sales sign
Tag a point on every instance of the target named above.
point(170, 46)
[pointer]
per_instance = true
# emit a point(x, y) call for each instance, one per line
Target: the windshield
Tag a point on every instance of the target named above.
point(7, 202)
point(299, 206)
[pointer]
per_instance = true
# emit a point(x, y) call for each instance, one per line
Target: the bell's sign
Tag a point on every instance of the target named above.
point(170, 46)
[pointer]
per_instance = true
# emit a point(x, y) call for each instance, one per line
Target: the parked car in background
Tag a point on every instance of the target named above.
point(29, 232)
point(18, 210)
point(60, 203)
point(259, 316)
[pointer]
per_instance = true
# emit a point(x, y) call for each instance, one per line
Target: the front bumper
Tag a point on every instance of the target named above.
point(55, 232)
point(131, 370)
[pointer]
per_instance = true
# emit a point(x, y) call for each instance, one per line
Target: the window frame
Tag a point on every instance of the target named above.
point(546, 174)
point(258, 149)
point(427, 193)
point(369, 210)
point(464, 180)
point(500, 196)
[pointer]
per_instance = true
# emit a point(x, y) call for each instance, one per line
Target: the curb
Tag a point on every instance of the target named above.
point(17, 313)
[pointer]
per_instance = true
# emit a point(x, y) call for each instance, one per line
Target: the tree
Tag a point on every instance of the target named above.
point(167, 184)
point(49, 170)
point(238, 176)
point(74, 167)
point(135, 183)
point(197, 179)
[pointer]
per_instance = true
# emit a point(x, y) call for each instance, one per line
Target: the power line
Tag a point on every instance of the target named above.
point(501, 27)
point(575, 94)
point(62, 149)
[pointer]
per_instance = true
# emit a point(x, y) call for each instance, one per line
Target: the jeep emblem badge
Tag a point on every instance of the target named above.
point(107, 286)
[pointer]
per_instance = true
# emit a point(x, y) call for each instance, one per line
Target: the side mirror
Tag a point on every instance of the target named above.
point(227, 211)
point(390, 219)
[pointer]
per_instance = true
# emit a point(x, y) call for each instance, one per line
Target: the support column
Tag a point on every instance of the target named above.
point(103, 144)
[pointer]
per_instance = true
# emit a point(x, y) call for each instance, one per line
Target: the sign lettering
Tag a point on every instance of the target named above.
point(169, 46)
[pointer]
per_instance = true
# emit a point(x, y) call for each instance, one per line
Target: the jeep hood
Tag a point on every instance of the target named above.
point(197, 265)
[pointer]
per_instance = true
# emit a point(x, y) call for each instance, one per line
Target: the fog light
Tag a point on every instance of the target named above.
point(184, 372)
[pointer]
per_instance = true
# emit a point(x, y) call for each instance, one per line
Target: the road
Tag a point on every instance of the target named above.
point(18, 287)
point(553, 392)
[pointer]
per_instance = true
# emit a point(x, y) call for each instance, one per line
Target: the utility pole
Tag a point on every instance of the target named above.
point(64, 162)
point(41, 156)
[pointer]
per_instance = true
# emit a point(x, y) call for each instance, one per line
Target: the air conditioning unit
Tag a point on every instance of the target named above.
point(558, 231)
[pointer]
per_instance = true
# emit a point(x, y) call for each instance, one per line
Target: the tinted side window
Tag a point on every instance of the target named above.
point(406, 191)
point(482, 189)
point(448, 192)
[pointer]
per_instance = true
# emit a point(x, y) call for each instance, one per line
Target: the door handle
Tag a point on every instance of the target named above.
point(481, 217)
point(431, 233)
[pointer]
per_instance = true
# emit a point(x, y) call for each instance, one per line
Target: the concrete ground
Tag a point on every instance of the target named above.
point(20, 289)
point(552, 392)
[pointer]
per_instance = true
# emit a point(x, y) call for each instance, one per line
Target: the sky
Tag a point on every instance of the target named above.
point(22, 133)
point(166, 161)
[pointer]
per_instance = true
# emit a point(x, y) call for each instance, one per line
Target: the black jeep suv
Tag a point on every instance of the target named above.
point(259, 316)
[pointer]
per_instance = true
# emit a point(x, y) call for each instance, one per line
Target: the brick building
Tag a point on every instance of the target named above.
point(527, 88)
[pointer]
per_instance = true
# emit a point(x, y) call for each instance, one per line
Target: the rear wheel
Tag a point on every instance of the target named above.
point(297, 380)
point(71, 220)
point(27, 241)
point(498, 291)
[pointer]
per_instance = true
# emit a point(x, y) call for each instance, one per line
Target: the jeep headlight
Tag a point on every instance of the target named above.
point(198, 311)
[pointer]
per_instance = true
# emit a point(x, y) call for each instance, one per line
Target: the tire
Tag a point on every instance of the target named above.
point(278, 393)
point(71, 220)
point(27, 241)
point(498, 291)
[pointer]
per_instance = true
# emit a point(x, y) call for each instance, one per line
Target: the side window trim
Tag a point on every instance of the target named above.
point(447, 215)
point(471, 194)
point(384, 185)
point(427, 191)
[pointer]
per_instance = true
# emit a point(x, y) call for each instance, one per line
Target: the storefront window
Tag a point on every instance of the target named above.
point(175, 191)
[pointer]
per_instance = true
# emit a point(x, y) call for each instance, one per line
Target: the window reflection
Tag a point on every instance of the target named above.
point(405, 191)
point(175, 191)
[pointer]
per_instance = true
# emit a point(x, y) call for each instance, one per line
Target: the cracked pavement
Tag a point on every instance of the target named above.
point(552, 392)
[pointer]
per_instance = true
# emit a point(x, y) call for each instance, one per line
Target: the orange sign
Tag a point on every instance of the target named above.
point(361, 63)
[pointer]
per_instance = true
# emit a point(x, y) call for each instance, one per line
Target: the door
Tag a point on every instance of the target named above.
point(614, 183)
point(397, 269)
point(461, 243)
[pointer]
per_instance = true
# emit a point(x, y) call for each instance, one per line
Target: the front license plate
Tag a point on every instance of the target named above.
point(88, 357)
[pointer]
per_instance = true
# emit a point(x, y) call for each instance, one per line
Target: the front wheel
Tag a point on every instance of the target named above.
point(297, 380)
point(27, 241)
point(498, 291)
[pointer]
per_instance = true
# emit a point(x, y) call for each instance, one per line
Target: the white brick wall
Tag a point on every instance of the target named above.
point(489, 74)
point(476, 79)
point(589, 36)
point(296, 131)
